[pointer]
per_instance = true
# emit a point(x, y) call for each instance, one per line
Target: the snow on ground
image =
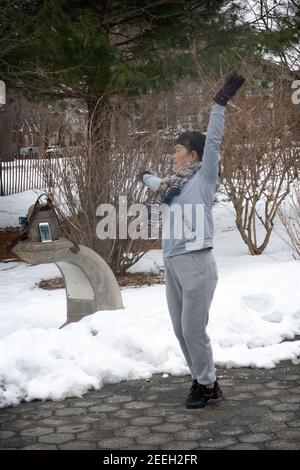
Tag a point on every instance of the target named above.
point(15, 206)
point(254, 315)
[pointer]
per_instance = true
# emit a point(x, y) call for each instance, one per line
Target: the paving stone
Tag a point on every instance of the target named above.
point(277, 384)
point(88, 419)
point(248, 388)
point(192, 434)
point(16, 442)
point(290, 399)
point(231, 431)
point(169, 404)
point(294, 390)
point(285, 407)
point(169, 427)
point(290, 434)
point(232, 405)
point(243, 447)
point(242, 396)
point(281, 417)
point(137, 405)
point(284, 445)
point(202, 424)
point(162, 388)
point(38, 446)
point(37, 415)
point(152, 398)
point(36, 432)
point(18, 425)
point(239, 373)
point(250, 411)
point(267, 402)
point(142, 447)
point(70, 412)
point(115, 443)
point(160, 412)
point(85, 403)
point(127, 414)
point(180, 418)
point(78, 445)
point(269, 393)
point(73, 428)
point(227, 383)
point(112, 424)
point(16, 410)
point(104, 408)
point(267, 427)
point(6, 434)
point(259, 438)
point(98, 394)
point(134, 431)
point(6, 418)
point(50, 404)
point(241, 420)
point(118, 399)
point(291, 377)
point(55, 422)
point(180, 445)
point(146, 421)
point(93, 435)
point(178, 380)
point(294, 424)
point(56, 438)
point(155, 439)
point(217, 442)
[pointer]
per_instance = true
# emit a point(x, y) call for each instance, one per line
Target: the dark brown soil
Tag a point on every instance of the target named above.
point(6, 236)
point(125, 280)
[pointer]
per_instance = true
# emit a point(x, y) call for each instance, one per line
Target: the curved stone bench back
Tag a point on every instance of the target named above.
point(90, 283)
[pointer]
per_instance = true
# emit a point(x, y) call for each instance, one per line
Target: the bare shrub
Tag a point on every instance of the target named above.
point(289, 214)
point(260, 161)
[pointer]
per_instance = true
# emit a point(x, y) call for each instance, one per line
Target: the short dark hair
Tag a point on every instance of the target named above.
point(192, 140)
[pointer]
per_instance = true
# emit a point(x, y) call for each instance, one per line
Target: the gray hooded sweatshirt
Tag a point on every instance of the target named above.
point(187, 223)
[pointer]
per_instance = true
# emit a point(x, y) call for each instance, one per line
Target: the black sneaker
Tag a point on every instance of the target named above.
point(199, 395)
point(194, 385)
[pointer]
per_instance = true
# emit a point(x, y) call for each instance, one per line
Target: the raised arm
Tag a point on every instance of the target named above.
point(214, 134)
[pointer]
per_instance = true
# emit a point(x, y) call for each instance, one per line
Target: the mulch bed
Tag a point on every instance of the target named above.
point(124, 280)
point(6, 236)
point(140, 279)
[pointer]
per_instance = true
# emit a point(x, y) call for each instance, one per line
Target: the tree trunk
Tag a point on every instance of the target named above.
point(97, 188)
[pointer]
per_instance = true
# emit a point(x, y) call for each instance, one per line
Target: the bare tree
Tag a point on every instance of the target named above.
point(78, 186)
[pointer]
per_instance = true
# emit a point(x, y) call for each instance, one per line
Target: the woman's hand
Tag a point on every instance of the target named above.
point(229, 89)
point(140, 175)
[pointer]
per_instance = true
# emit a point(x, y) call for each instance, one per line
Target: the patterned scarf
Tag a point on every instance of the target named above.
point(172, 185)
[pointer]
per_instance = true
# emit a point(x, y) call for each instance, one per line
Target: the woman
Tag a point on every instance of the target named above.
point(190, 266)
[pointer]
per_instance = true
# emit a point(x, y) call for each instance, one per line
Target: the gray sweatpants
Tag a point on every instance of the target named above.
point(191, 279)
